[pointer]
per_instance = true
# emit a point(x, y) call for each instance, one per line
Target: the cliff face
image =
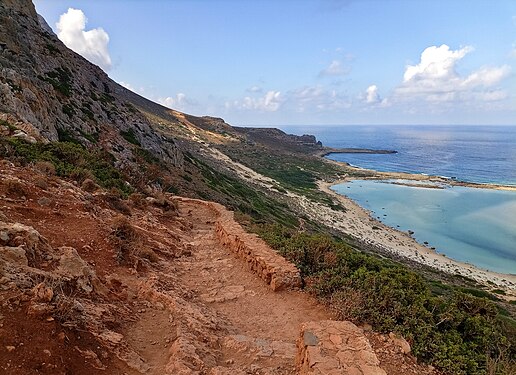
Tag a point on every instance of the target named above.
point(53, 91)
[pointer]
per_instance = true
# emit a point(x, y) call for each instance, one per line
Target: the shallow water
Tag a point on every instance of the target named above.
point(476, 226)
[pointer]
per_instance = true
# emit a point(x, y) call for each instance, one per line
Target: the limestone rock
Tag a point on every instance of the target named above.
point(71, 265)
point(400, 342)
point(22, 237)
point(335, 347)
point(42, 293)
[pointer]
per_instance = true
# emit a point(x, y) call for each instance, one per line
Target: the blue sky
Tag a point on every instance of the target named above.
point(305, 62)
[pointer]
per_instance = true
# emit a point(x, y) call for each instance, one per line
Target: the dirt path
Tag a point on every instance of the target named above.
point(262, 325)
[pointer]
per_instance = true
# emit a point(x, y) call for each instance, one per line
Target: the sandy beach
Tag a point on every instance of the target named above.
point(358, 223)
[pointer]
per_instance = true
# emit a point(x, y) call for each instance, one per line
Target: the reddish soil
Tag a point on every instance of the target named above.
point(181, 304)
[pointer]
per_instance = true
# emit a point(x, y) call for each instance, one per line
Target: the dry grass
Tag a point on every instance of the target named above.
point(41, 182)
point(45, 167)
point(89, 185)
point(138, 200)
point(168, 207)
point(124, 237)
point(114, 199)
point(148, 254)
point(15, 188)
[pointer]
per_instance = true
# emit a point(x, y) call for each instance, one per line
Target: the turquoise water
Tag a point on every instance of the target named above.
point(476, 226)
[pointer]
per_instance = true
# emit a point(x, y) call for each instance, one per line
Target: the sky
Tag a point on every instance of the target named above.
point(293, 62)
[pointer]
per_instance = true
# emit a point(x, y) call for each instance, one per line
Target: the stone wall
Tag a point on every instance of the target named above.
point(275, 270)
point(335, 347)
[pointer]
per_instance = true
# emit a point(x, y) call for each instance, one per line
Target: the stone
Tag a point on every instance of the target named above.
point(330, 353)
point(111, 337)
point(73, 266)
point(309, 339)
point(42, 293)
point(24, 136)
point(400, 342)
point(16, 255)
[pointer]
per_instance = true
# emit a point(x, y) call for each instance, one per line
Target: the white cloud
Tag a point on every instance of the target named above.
point(91, 44)
point(436, 63)
point(255, 89)
point(486, 77)
point(270, 102)
point(336, 68)
point(179, 101)
point(435, 78)
point(372, 96)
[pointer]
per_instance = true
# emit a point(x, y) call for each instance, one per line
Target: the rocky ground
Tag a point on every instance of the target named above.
point(90, 283)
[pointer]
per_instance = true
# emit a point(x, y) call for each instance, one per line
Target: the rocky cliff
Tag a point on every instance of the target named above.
point(57, 94)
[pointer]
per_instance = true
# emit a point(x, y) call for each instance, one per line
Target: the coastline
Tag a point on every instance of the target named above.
point(371, 174)
point(359, 223)
point(330, 150)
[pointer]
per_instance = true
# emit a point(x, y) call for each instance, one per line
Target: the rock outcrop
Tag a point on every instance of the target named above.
point(60, 94)
point(334, 348)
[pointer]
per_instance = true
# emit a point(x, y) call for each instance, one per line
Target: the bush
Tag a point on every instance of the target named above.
point(130, 136)
point(138, 200)
point(124, 236)
point(69, 160)
point(148, 254)
point(15, 188)
point(45, 167)
point(41, 182)
point(456, 331)
point(168, 206)
point(89, 185)
point(114, 199)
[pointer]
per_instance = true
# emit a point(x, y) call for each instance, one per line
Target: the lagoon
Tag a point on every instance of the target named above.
point(476, 226)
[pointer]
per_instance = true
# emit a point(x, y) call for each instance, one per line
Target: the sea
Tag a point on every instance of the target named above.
point(476, 226)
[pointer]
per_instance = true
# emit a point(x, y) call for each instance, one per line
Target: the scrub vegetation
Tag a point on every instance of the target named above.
point(459, 331)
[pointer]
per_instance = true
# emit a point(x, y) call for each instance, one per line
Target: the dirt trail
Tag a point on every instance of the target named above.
point(262, 325)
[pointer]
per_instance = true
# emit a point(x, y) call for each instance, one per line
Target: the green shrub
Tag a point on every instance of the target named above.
point(69, 159)
point(130, 136)
point(60, 79)
point(453, 329)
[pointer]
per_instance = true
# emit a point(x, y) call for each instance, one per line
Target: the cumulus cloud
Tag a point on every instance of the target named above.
point(270, 102)
point(336, 68)
point(180, 101)
point(91, 44)
point(435, 77)
point(372, 96)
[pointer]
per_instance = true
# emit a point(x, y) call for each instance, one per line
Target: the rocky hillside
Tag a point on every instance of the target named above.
point(52, 93)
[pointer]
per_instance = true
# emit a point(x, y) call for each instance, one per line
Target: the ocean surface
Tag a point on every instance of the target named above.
point(476, 226)
point(484, 154)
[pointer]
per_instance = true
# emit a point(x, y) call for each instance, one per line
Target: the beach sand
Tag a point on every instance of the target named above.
point(359, 223)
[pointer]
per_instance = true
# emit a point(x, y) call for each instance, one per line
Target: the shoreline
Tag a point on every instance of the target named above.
point(377, 175)
point(358, 222)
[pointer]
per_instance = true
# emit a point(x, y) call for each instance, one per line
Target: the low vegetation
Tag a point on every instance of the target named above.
point(454, 330)
point(70, 160)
